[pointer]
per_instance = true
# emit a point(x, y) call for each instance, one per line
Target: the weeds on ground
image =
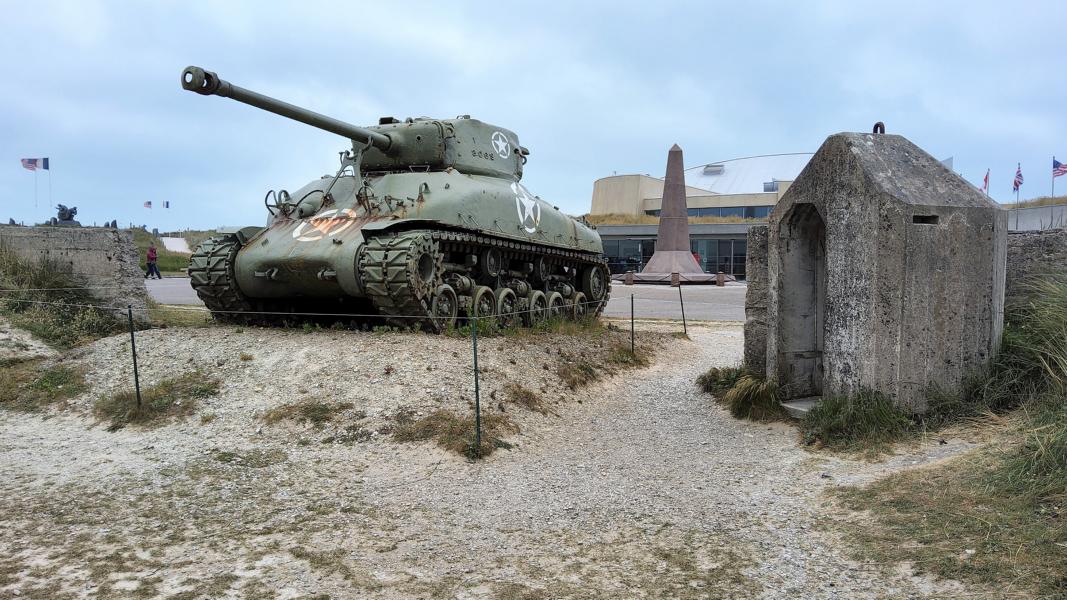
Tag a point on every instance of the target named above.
point(525, 397)
point(579, 370)
point(308, 410)
point(31, 386)
point(169, 399)
point(51, 304)
point(587, 326)
point(455, 432)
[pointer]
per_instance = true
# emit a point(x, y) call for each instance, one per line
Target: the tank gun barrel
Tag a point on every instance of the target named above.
point(208, 83)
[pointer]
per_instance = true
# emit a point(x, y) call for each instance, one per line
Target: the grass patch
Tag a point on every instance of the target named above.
point(166, 315)
point(867, 421)
point(308, 410)
point(754, 397)
point(1042, 201)
point(30, 386)
point(997, 516)
point(167, 400)
point(42, 299)
point(455, 432)
point(525, 397)
point(718, 380)
point(950, 521)
point(580, 370)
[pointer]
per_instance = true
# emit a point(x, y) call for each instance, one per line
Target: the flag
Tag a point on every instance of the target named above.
point(1058, 168)
point(985, 183)
point(35, 163)
point(148, 204)
point(1018, 178)
point(166, 204)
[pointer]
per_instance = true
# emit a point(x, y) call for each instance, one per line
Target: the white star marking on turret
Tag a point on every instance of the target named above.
point(501, 144)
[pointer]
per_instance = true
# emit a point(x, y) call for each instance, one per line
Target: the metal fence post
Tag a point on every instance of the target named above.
point(631, 324)
point(133, 349)
point(477, 391)
point(685, 329)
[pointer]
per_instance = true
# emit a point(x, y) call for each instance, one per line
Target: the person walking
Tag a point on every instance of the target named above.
point(150, 259)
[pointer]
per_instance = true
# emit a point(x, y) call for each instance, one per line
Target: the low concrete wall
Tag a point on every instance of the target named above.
point(756, 300)
point(1033, 253)
point(103, 259)
point(1037, 218)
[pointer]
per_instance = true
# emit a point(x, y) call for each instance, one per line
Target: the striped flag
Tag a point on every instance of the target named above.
point(148, 204)
point(1058, 168)
point(35, 163)
point(1017, 183)
point(985, 183)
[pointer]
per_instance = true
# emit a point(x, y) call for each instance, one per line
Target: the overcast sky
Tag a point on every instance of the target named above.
point(590, 88)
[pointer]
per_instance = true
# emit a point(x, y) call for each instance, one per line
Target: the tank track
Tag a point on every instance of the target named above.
point(211, 276)
point(387, 270)
point(385, 267)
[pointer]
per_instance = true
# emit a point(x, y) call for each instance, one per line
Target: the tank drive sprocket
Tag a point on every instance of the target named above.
point(400, 274)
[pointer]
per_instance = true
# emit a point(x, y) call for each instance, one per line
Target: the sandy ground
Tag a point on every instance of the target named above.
point(637, 486)
point(19, 345)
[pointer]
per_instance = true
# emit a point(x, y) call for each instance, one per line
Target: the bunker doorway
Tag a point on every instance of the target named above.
point(802, 301)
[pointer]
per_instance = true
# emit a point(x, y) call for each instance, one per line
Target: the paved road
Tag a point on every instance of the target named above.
point(172, 290)
point(702, 302)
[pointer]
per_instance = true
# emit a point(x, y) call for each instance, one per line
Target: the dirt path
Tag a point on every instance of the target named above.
point(644, 489)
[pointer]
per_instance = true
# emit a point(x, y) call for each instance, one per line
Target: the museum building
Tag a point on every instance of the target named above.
point(742, 190)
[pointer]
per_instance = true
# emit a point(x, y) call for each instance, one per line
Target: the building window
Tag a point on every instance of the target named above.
point(770, 186)
point(733, 211)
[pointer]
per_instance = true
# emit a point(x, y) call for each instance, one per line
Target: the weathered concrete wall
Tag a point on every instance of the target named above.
point(902, 263)
point(1033, 253)
point(756, 300)
point(103, 259)
point(1037, 218)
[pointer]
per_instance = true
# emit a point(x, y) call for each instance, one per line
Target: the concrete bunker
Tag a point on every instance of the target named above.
point(885, 272)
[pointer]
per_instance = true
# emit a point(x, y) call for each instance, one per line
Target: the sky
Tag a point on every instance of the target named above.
point(591, 88)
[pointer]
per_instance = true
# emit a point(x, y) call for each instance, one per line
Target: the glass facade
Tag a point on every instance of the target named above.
point(714, 255)
point(746, 212)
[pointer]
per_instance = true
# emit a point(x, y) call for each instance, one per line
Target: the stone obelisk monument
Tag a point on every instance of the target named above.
point(673, 254)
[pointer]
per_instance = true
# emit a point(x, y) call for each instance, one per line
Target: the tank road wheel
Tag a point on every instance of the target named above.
point(579, 306)
point(211, 274)
point(483, 302)
point(536, 309)
point(506, 307)
point(444, 308)
point(556, 305)
point(595, 283)
point(491, 262)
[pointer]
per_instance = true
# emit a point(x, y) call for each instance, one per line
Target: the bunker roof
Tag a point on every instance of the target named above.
point(900, 168)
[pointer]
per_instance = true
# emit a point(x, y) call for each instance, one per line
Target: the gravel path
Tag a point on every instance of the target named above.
point(640, 487)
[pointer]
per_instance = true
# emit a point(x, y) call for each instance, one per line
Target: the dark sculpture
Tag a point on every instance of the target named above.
point(65, 216)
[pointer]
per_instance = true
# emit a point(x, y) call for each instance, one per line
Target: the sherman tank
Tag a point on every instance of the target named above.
point(426, 221)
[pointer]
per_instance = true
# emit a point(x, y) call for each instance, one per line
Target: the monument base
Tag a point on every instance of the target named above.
point(665, 278)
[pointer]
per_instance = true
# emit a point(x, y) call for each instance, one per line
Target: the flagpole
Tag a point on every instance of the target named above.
point(35, 189)
point(49, 187)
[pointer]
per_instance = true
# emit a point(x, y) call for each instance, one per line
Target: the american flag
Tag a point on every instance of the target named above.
point(35, 163)
point(985, 183)
point(148, 204)
point(1058, 168)
point(1018, 178)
